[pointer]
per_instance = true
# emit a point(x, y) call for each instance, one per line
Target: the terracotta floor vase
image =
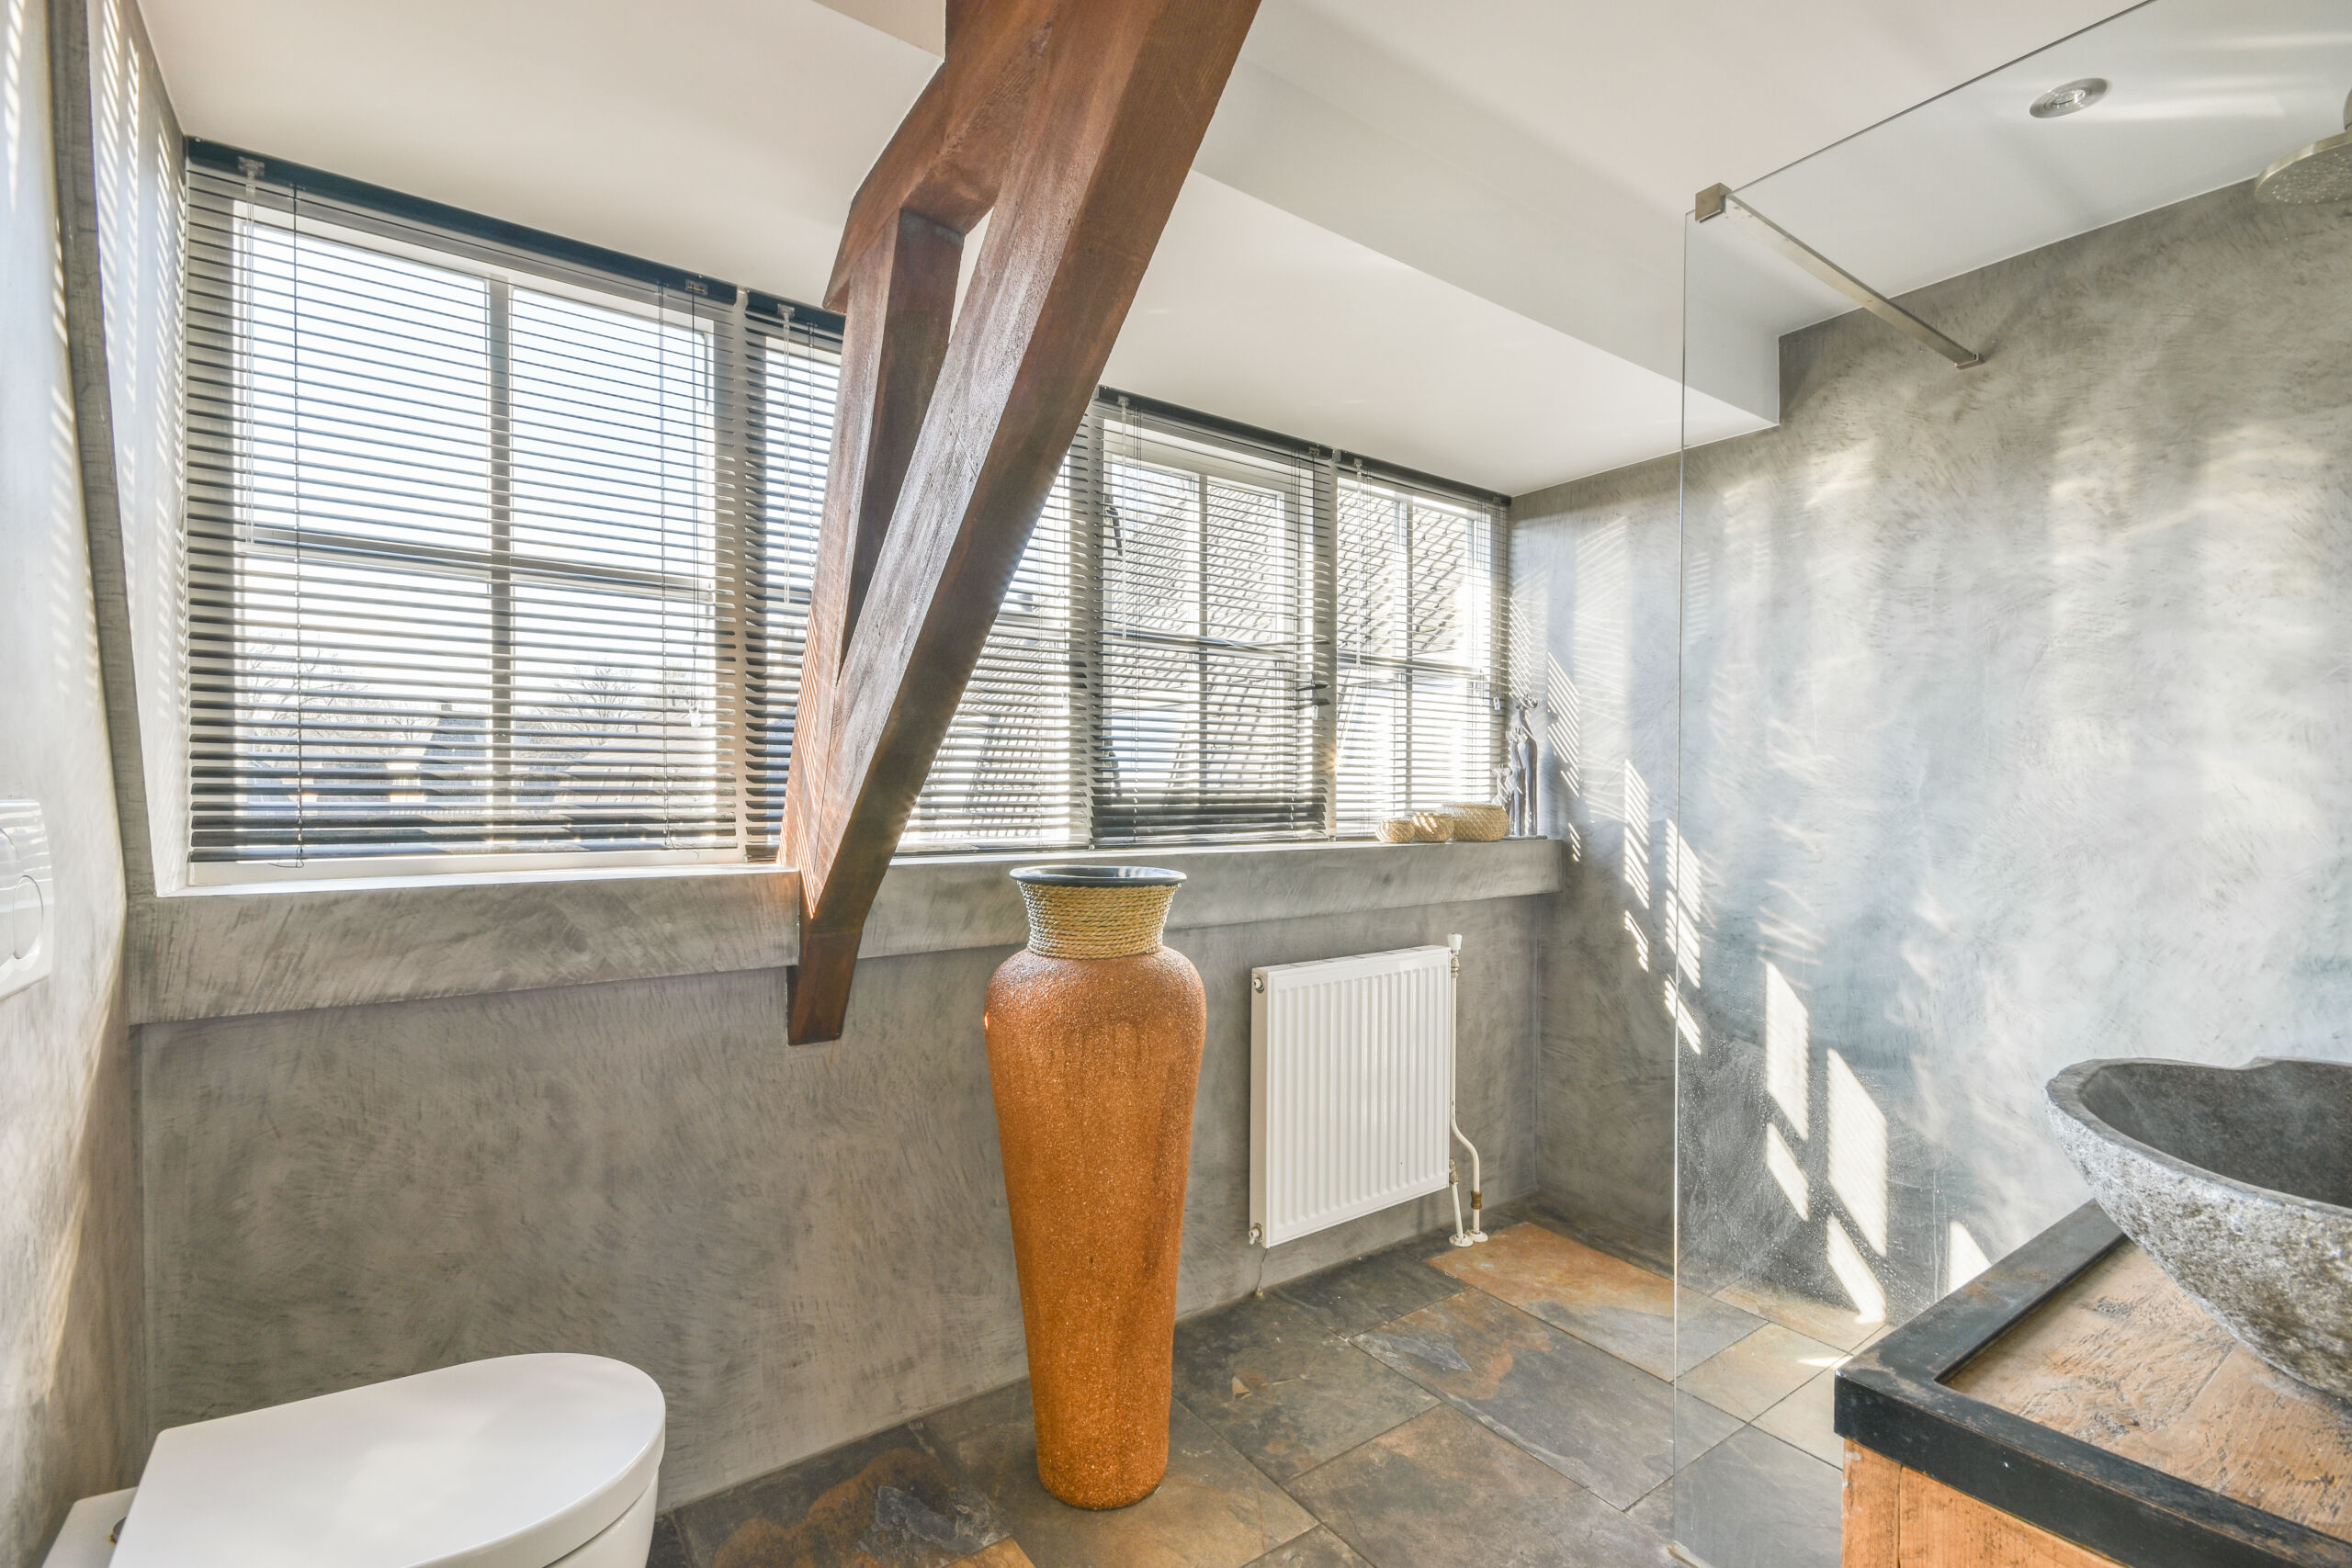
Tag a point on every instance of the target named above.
point(1094, 1052)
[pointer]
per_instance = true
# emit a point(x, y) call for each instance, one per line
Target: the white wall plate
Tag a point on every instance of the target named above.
point(28, 895)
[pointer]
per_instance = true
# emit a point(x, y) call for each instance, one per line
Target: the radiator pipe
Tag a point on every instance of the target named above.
point(1476, 1234)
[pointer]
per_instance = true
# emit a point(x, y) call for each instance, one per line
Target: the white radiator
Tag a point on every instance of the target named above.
point(1350, 1086)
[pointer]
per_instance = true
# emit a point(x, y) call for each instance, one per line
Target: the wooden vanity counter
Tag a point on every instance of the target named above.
point(2072, 1408)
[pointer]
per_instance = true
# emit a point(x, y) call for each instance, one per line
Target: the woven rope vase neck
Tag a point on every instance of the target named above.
point(1094, 1034)
point(1104, 919)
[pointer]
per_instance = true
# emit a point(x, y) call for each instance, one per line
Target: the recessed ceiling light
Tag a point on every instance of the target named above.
point(2074, 95)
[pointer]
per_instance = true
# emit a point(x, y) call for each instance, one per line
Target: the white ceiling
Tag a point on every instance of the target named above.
point(2205, 93)
point(1445, 233)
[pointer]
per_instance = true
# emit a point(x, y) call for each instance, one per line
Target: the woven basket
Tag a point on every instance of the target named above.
point(1433, 827)
point(1478, 821)
point(1397, 830)
point(1091, 911)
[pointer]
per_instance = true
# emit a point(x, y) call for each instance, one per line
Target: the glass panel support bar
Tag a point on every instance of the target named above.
point(1718, 200)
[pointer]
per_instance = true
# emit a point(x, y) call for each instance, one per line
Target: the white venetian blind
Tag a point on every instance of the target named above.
point(1417, 652)
point(454, 549)
point(1006, 775)
point(793, 384)
point(1204, 719)
point(1003, 772)
point(498, 545)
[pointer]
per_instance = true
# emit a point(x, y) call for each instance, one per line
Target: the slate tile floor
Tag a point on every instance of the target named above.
point(1508, 1405)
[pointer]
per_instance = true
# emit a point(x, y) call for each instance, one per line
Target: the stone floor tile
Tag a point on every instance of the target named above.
point(1655, 1513)
point(1277, 1385)
point(1602, 1300)
point(1755, 1502)
point(1318, 1548)
point(1443, 1491)
point(1832, 1322)
point(884, 1499)
point(1373, 1290)
point(669, 1545)
point(1005, 1553)
point(1751, 1375)
point(1655, 1253)
point(1803, 1420)
point(1215, 1510)
point(1595, 1418)
point(1698, 1427)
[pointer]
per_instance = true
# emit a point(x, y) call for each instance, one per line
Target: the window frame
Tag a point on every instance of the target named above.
point(750, 620)
point(1181, 446)
point(1492, 668)
point(496, 564)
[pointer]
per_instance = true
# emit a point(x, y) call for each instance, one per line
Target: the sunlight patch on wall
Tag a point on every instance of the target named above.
point(1854, 1272)
point(1858, 1152)
point(1783, 1166)
point(1964, 1260)
point(1682, 906)
point(1787, 1052)
point(1640, 942)
point(1637, 836)
point(12, 91)
point(1564, 726)
point(1525, 628)
point(1686, 1024)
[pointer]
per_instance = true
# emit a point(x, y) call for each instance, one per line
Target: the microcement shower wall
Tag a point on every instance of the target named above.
point(2016, 728)
point(1594, 589)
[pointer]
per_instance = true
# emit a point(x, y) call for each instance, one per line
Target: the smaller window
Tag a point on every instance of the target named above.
point(1205, 723)
point(1420, 724)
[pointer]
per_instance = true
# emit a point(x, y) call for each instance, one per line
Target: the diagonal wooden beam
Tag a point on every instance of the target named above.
point(949, 155)
point(1122, 95)
point(903, 298)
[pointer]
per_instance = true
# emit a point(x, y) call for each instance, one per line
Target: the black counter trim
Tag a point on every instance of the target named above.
point(1892, 1400)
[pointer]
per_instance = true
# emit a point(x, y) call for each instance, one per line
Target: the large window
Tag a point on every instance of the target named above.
point(454, 553)
point(499, 547)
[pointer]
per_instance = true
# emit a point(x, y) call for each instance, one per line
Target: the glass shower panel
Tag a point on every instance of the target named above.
point(2016, 701)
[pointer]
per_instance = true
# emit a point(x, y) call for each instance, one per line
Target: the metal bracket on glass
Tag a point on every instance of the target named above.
point(1718, 200)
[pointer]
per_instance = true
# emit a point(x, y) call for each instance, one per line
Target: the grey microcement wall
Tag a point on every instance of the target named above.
point(1593, 582)
point(800, 1246)
point(70, 1397)
point(2014, 730)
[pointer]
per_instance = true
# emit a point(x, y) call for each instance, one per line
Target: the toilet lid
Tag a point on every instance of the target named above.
point(506, 1463)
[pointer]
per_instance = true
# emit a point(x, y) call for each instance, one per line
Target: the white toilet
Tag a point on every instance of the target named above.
point(524, 1461)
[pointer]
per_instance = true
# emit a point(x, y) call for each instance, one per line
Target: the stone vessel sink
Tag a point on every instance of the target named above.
point(2238, 1182)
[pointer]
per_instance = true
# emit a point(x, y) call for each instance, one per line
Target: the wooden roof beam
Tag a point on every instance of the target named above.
point(950, 154)
point(1113, 98)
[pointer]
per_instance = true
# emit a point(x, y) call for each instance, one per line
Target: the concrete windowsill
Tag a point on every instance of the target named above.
point(286, 946)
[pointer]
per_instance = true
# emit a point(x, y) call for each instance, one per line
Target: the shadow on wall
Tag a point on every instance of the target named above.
point(1584, 590)
point(2016, 728)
